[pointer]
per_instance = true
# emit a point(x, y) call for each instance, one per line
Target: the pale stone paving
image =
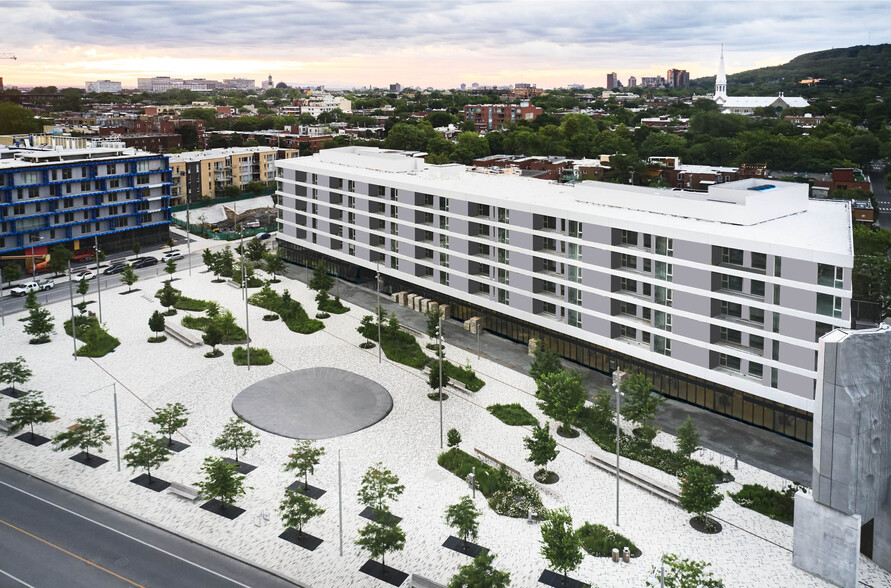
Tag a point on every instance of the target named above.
point(751, 551)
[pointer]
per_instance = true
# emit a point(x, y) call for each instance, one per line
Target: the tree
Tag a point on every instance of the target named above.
point(129, 277)
point(14, 119)
point(463, 518)
point(453, 437)
point(303, 459)
point(544, 362)
point(379, 539)
point(146, 452)
point(59, 257)
point(231, 191)
point(221, 481)
point(39, 325)
point(156, 324)
point(226, 261)
point(136, 248)
point(564, 394)
point(688, 438)
point(480, 574)
point(170, 268)
point(15, 372)
point(642, 404)
point(433, 319)
point(168, 296)
point(560, 544)
point(434, 379)
point(169, 419)
point(255, 250)
point(208, 257)
point(87, 433)
point(11, 273)
point(298, 509)
point(542, 449)
point(470, 146)
point(83, 286)
point(236, 437)
point(274, 264)
point(320, 281)
point(213, 336)
point(684, 573)
point(602, 409)
point(699, 494)
point(379, 486)
point(30, 410)
point(31, 300)
point(367, 328)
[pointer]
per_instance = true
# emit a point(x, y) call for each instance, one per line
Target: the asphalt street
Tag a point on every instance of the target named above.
point(50, 537)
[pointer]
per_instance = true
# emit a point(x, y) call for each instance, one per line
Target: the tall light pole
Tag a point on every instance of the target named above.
point(245, 296)
point(34, 265)
point(71, 300)
point(117, 429)
point(188, 236)
point(617, 384)
point(379, 313)
point(98, 275)
point(439, 332)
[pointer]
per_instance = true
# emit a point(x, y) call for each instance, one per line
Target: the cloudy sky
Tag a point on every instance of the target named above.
point(418, 43)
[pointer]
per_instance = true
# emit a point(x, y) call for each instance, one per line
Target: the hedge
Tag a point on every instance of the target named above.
point(513, 415)
point(258, 356)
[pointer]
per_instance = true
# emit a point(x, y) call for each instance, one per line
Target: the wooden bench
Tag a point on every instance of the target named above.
point(655, 488)
point(183, 490)
point(485, 457)
point(185, 338)
point(419, 581)
point(5, 426)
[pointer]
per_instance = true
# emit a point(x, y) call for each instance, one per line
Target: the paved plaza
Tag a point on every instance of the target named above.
point(752, 550)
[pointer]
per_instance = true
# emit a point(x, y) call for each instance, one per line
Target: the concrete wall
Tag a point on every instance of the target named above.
point(826, 542)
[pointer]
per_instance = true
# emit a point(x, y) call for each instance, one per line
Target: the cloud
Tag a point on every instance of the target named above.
point(427, 43)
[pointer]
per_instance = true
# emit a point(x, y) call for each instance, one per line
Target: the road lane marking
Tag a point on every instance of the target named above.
point(74, 555)
point(22, 582)
point(137, 540)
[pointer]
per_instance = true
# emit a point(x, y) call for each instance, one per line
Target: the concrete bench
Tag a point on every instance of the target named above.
point(183, 490)
point(419, 581)
point(655, 488)
point(485, 457)
point(5, 426)
point(185, 338)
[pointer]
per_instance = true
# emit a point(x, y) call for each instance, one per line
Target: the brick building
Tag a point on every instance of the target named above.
point(488, 117)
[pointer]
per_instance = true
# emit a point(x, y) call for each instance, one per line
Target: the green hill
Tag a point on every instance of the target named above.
point(863, 65)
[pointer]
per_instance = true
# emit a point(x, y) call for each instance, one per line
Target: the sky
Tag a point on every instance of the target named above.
point(417, 43)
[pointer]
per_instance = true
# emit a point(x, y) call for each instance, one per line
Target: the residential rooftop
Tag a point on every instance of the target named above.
point(13, 157)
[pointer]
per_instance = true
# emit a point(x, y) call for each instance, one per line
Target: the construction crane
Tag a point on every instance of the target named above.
point(7, 56)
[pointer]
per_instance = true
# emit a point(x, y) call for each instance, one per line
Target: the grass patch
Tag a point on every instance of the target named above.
point(186, 303)
point(512, 414)
point(291, 311)
point(599, 541)
point(270, 317)
point(333, 306)
point(488, 479)
point(780, 506)
point(233, 334)
point(258, 356)
point(158, 339)
point(464, 375)
point(97, 341)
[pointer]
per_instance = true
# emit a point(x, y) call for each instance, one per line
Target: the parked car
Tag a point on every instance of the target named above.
point(264, 236)
point(83, 275)
point(144, 262)
point(115, 268)
point(174, 255)
point(25, 288)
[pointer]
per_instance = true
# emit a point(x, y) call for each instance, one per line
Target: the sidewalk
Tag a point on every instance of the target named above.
point(763, 449)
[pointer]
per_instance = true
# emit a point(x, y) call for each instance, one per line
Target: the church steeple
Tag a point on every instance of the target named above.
point(721, 80)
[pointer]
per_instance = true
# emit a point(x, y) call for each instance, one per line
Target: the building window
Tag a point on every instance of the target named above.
point(503, 276)
point(665, 246)
point(111, 169)
point(662, 345)
point(31, 177)
point(822, 329)
point(444, 278)
point(351, 186)
point(575, 296)
point(731, 256)
point(443, 204)
point(777, 266)
point(757, 288)
point(575, 229)
point(732, 283)
point(351, 218)
point(394, 246)
point(315, 178)
point(628, 308)
point(394, 193)
point(66, 173)
point(351, 202)
point(731, 336)
point(575, 252)
point(394, 229)
point(759, 261)
point(351, 234)
point(504, 256)
point(18, 209)
point(628, 261)
point(503, 296)
point(829, 305)
point(351, 249)
point(142, 166)
point(629, 238)
point(575, 274)
point(444, 260)
point(756, 343)
point(731, 309)
point(503, 215)
point(774, 373)
point(729, 362)
point(33, 192)
point(504, 236)
point(444, 223)
point(394, 263)
point(663, 296)
point(444, 241)
point(664, 271)
point(628, 332)
point(756, 370)
point(394, 213)
point(829, 275)
point(662, 320)
point(628, 285)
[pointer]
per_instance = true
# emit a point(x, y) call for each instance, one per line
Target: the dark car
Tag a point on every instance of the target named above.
point(144, 262)
point(115, 268)
point(264, 236)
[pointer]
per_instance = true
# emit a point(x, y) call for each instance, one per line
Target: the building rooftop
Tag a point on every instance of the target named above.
point(12, 157)
point(217, 153)
point(777, 214)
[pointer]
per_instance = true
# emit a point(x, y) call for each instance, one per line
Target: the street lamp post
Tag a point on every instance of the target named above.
point(117, 429)
point(98, 275)
point(617, 384)
point(34, 265)
point(379, 313)
point(439, 332)
point(245, 296)
point(71, 301)
point(188, 238)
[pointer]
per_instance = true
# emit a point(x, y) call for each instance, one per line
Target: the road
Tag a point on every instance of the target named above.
point(50, 537)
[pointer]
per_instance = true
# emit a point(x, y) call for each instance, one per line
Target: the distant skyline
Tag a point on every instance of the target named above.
point(378, 42)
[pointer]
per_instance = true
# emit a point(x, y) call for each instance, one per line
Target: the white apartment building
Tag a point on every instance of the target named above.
point(103, 86)
point(719, 297)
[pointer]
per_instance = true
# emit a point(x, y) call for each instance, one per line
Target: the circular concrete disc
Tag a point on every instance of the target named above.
point(317, 403)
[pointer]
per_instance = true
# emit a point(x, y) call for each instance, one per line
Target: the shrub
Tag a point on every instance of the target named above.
point(464, 375)
point(322, 315)
point(270, 317)
point(333, 306)
point(488, 479)
point(201, 323)
point(516, 498)
point(258, 356)
point(97, 341)
point(186, 303)
point(453, 437)
point(780, 506)
point(599, 541)
point(290, 310)
point(512, 414)
point(403, 348)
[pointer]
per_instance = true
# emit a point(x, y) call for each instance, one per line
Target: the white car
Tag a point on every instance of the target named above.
point(83, 275)
point(174, 255)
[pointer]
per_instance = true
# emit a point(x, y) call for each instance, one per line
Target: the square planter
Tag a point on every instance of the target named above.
point(243, 468)
point(178, 446)
point(392, 576)
point(311, 491)
point(13, 393)
point(469, 549)
point(94, 461)
point(549, 578)
point(306, 541)
point(369, 514)
point(156, 484)
point(231, 512)
point(36, 440)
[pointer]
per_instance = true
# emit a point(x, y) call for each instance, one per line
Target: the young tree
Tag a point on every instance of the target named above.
point(378, 540)
point(30, 410)
point(168, 297)
point(255, 250)
point(683, 573)
point(602, 408)
point(169, 419)
point(31, 300)
point(298, 509)
point(209, 258)
point(453, 437)
point(213, 336)
point(542, 449)
point(463, 518)
point(699, 494)
point(560, 544)
point(236, 437)
point(480, 574)
point(564, 394)
point(688, 438)
point(303, 460)
point(367, 328)
point(225, 322)
point(136, 248)
point(87, 433)
point(59, 257)
point(83, 286)
point(170, 268)
point(544, 362)
point(433, 318)
point(156, 324)
point(221, 481)
point(15, 372)
point(379, 486)
point(11, 273)
point(433, 379)
point(226, 262)
point(641, 404)
point(146, 452)
point(39, 325)
point(129, 277)
point(320, 281)
point(274, 265)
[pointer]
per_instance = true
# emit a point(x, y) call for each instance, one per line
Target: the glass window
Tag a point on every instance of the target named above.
point(777, 266)
point(734, 283)
point(444, 278)
point(665, 246)
point(756, 342)
point(503, 296)
point(756, 315)
point(756, 370)
point(758, 288)
point(443, 204)
point(664, 271)
point(731, 309)
point(575, 229)
point(731, 256)
point(504, 236)
point(503, 215)
point(829, 305)
point(759, 261)
point(629, 237)
point(628, 261)
point(663, 295)
point(503, 276)
point(662, 320)
point(575, 251)
point(575, 274)
point(574, 318)
point(729, 362)
point(575, 296)
point(731, 336)
point(662, 345)
point(504, 256)
point(829, 275)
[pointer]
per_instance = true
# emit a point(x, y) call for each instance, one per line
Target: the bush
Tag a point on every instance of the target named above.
point(512, 414)
point(201, 323)
point(158, 339)
point(464, 375)
point(599, 541)
point(333, 306)
point(186, 303)
point(214, 353)
point(488, 479)
point(97, 341)
point(780, 506)
point(290, 310)
point(270, 317)
point(258, 356)
point(515, 499)
point(322, 315)
point(398, 345)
